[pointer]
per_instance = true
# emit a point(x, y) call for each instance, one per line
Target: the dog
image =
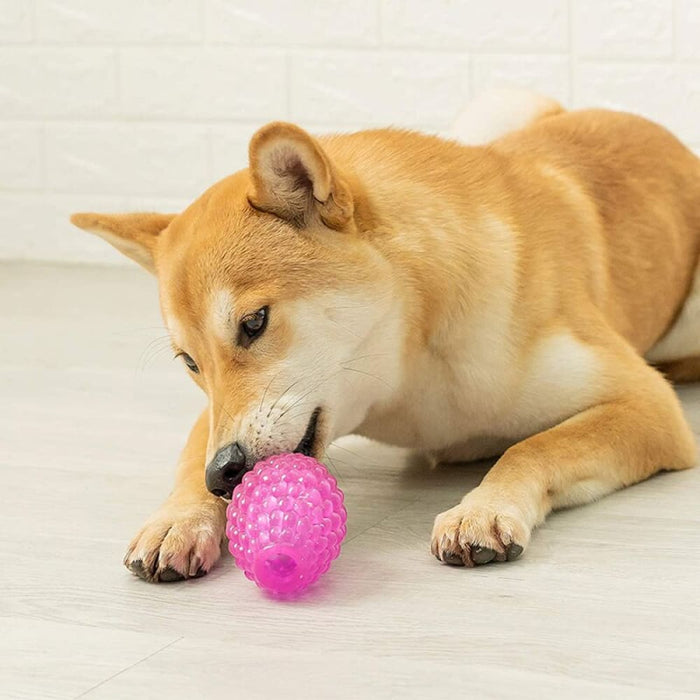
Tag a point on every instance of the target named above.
point(521, 297)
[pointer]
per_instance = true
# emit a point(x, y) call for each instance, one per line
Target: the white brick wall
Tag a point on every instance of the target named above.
point(141, 104)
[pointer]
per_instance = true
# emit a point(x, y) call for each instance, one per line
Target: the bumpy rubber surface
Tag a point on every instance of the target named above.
point(286, 522)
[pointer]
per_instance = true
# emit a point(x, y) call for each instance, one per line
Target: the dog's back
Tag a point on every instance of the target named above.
point(607, 201)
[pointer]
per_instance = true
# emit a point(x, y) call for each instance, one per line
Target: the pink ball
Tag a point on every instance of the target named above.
point(286, 522)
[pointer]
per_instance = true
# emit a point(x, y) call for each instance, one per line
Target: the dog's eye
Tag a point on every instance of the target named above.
point(252, 326)
point(191, 364)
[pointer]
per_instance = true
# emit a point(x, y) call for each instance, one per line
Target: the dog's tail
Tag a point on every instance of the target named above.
point(498, 112)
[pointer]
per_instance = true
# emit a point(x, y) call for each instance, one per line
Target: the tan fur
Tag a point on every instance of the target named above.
point(459, 300)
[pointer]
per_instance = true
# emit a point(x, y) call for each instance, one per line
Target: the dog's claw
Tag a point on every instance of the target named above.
point(513, 551)
point(169, 575)
point(136, 567)
point(166, 575)
point(482, 555)
point(452, 558)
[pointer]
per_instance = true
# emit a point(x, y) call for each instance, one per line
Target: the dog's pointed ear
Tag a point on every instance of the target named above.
point(293, 178)
point(135, 235)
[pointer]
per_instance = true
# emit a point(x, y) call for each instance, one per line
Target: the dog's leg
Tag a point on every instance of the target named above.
point(638, 430)
point(182, 539)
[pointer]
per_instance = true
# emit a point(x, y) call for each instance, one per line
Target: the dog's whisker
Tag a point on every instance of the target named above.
point(332, 468)
point(348, 468)
point(364, 357)
point(269, 384)
point(224, 409)
point(140, 329)
point(152, 350)
point(321, 382)
point(349, 306)
point(347, 330)
point(292, 418)
point(369, 374)
point(305, 395)
point(272, 407)
point(151, 328)
point(336, 446)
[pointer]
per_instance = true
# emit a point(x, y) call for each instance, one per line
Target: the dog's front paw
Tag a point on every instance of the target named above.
point(178, 542)
point(478, 531)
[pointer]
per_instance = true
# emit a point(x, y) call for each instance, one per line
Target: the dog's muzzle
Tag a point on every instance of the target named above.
point(231, 462)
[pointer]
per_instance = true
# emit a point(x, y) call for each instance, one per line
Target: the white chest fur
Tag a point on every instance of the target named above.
point(479, 378)
point(497, 401)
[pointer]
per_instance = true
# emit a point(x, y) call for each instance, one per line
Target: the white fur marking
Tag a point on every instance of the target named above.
point(174, 328)
point(559, 382)
point(221, 315)
point(683, 340)
point(462, 391)
point(582, 492)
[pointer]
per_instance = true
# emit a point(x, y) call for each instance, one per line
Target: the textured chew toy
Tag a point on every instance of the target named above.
point(286, 522)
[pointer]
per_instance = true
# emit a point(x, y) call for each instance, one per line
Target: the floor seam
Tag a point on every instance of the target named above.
point(128, 668)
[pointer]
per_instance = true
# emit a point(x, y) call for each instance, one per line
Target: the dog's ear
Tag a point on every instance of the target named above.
point(135, 235)
point(293, 178)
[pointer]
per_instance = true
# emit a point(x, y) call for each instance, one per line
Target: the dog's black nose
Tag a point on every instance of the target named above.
point(226, 470)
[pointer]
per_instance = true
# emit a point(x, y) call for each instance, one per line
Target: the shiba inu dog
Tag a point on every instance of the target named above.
point(468, 301)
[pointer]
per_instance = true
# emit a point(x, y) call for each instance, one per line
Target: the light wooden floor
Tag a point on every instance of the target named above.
point(605, 603)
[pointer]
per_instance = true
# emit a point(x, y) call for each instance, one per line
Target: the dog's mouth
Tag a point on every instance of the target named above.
point(308, 441)
point(307, 446)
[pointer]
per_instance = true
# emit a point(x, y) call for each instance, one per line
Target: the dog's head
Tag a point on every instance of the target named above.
point(276, 299)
